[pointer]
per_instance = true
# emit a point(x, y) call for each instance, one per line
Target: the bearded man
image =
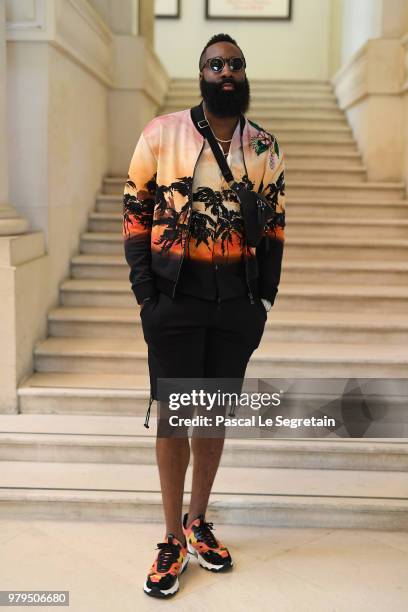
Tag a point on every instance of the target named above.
point(204, 293)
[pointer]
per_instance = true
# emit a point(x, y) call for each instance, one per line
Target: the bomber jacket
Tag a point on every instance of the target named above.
point(158, 198)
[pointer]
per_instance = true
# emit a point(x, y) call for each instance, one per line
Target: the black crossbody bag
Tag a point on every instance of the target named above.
point(256, 210)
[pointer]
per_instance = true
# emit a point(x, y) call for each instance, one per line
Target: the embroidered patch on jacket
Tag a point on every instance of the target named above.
point(264, 141)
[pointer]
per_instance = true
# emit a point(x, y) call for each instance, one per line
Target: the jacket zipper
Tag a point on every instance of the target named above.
point(189, 222)
point(251, 297)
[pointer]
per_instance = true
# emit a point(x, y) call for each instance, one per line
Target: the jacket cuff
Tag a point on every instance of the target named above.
point(268, 293)
point(144, 290)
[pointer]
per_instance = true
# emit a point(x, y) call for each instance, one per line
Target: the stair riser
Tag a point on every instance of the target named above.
point(366, 253)
point(357, 211)
point(292, 251)
point(232, 513)
point(286, 302)
point(291, 123)
point(316, 148)
point(83, 405)
point(256, 368)
point(355, 277)
point(320, 162)
point(252, 458)
point(358, 191)
point(276, 333)
point(297, 121)
point(182, 101)
point(288, 276)
point(327, 175)
point(334, 210)
point(192, 89)
point(296, 229)
point(310, 230)
point(274, 112)
point(286, 136)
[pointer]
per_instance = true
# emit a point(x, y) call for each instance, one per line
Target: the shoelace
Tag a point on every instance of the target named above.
point(168, 554)
point(204, 532)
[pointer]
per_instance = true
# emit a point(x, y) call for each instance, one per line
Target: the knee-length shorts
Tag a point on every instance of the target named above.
point(190, 337)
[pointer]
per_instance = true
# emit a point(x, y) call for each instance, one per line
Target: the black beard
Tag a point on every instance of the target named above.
point(226, 103)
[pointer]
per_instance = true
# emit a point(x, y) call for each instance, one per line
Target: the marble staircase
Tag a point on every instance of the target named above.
point(78, 448)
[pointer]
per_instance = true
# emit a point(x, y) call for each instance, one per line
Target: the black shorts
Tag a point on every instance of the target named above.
point(190, 337)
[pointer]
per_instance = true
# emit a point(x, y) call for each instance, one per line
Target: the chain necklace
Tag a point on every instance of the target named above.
point(217, 139)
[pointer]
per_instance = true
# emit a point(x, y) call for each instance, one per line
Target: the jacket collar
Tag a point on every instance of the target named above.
point(250, 158)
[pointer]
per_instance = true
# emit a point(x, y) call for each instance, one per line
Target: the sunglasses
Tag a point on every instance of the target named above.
point(216, 64)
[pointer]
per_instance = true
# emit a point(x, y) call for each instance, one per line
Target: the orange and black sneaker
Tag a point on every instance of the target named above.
point(162, 579)
point(201, 542)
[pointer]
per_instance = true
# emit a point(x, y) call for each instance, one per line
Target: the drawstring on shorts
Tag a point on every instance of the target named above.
point(146, 423)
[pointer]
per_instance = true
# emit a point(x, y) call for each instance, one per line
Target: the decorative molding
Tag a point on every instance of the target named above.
point(19, 25)
point(82, 34)
point(18, 15)
point(404, 44)
point(375, 69)
point(75, 28)
point(146, 74)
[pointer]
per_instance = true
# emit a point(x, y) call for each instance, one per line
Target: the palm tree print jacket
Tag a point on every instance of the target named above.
point(158, 200)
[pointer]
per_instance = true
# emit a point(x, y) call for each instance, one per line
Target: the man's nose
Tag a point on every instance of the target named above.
point(226, 70)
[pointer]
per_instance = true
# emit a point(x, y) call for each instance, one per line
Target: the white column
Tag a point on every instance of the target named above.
point(23, 269)
point(10, 222)
point(369, 85)
point(140, 81)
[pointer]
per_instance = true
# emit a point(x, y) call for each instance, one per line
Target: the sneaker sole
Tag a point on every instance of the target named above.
point(165, 594)
point(205, 564)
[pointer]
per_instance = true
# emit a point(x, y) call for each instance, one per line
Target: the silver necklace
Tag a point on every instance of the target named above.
point(218, 139)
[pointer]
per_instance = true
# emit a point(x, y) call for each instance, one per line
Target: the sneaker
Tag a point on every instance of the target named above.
point(201, 542)
point(162, 579)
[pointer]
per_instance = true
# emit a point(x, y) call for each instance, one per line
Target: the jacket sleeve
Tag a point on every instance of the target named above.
point(138, 207)
point(270, 249)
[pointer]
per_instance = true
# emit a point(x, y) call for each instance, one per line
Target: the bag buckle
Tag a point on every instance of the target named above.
point(203, 123)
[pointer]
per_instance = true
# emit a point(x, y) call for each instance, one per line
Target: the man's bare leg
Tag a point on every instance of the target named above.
point(173, 455)
point(207, 454)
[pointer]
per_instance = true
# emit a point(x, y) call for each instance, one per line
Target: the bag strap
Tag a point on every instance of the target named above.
point(202, 125)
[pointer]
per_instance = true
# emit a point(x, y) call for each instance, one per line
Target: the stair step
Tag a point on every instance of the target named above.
point(187, 99)
point(316, 206)
point(290, 326)
point(332, 207)
point(311, 272)
point(106, 439)
point(297, 226)
point(115, 267)
point(59, 393)
point(271, 111)
point(367, 229)
point(310, 146)
point(329, 175)
point(303, 188)
point(191, 85)
point(112, 293)
point(278, 359)
point(265, 496)
point(108, 243)
point(330, 161)
point(281, 121)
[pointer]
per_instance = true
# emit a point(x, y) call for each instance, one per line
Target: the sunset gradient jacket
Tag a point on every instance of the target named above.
point(158, 200)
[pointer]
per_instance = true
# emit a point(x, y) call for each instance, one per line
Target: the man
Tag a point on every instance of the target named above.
point(204, 292)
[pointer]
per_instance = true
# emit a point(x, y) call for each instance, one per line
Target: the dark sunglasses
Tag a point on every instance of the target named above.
point(216, 64)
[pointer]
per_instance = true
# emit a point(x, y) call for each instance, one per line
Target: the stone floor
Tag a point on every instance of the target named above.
point(103, 565)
